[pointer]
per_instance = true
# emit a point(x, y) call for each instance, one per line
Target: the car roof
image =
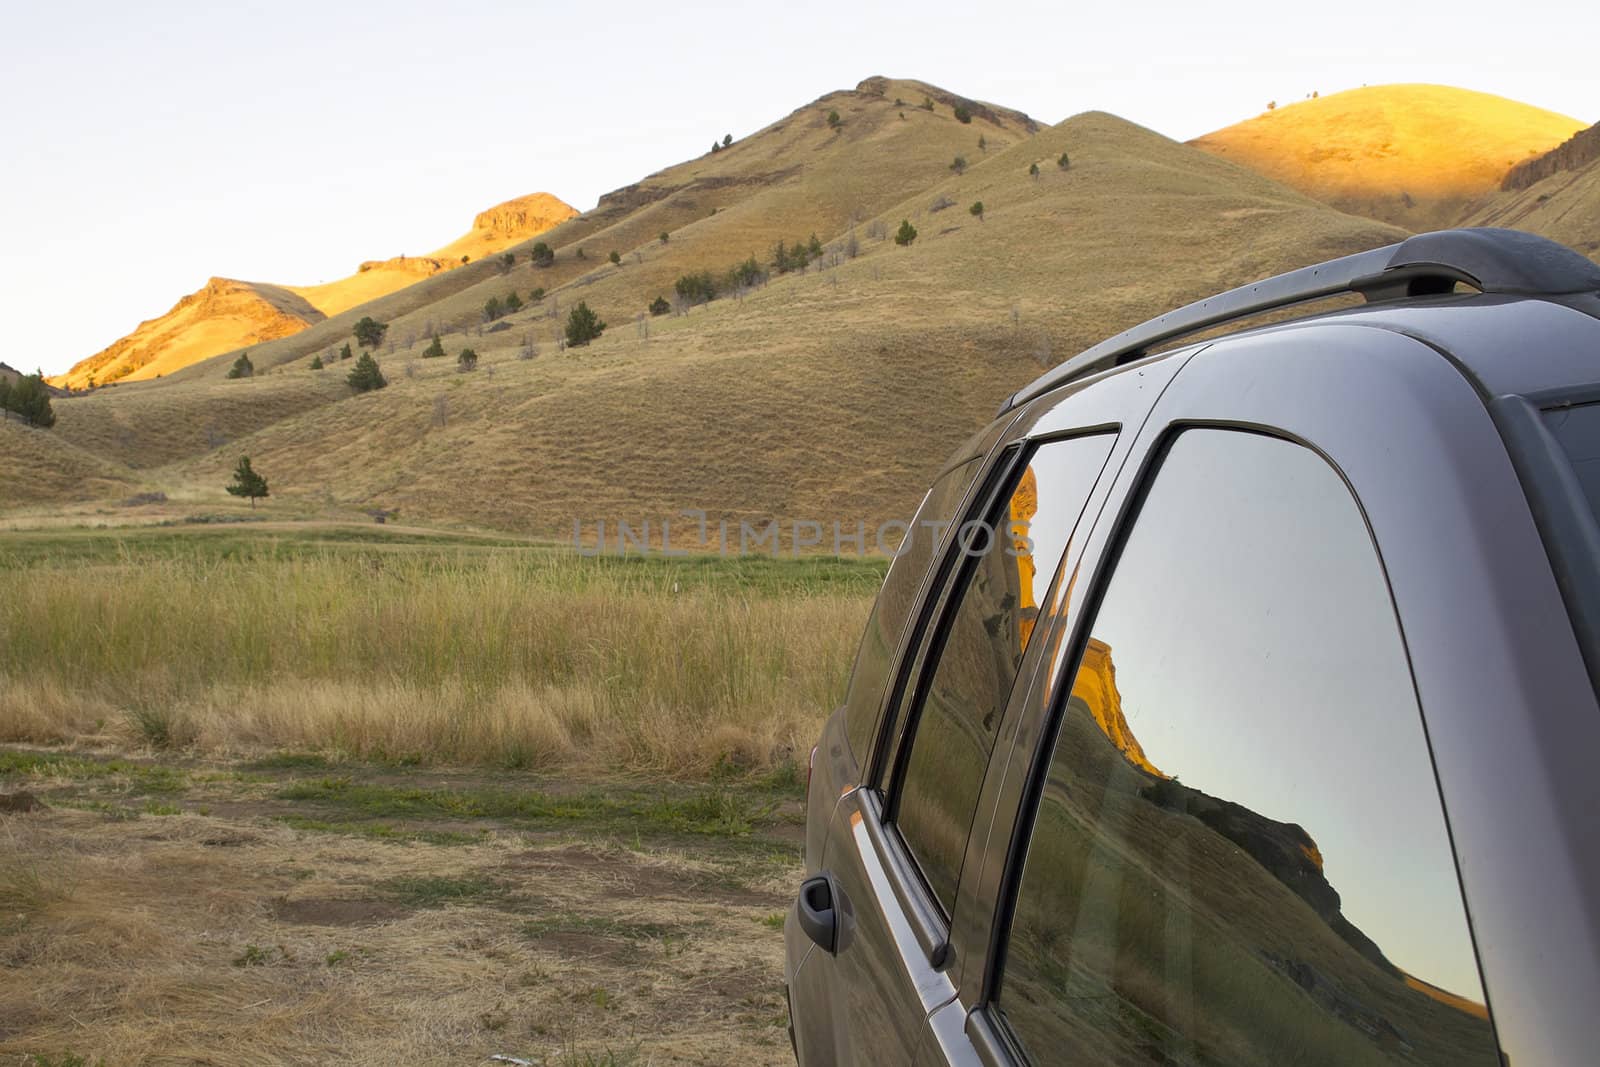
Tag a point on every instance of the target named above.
point(1532, 326)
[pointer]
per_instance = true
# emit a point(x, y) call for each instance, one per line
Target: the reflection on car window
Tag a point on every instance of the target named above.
point(1239, 855)
point(892, 610)
point(1578, 430)
point(1010, 560)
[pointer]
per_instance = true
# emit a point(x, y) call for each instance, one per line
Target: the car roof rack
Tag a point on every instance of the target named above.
point(1489, 259)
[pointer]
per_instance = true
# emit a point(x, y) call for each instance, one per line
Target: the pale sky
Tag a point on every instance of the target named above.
point(147, 147)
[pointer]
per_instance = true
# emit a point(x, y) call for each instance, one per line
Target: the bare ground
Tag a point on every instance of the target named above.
point(173, 912)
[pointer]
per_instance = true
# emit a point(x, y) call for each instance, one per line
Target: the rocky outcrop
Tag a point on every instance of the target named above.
point(1578, 151)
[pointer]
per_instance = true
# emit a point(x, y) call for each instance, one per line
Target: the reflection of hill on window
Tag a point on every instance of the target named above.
point(1096, 687)
point(1024, 505)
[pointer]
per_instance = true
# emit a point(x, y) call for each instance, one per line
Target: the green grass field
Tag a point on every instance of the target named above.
point(421, 647)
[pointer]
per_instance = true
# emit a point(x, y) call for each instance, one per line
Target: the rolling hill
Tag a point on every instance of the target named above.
point(1414, 155)
point(827, 394)
point(1557, 195)
point(228, 314)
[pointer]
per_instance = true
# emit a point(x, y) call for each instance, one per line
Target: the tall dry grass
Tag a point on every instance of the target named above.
point(521, 659)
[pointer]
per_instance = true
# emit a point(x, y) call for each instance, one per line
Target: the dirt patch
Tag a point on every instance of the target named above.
point(17, 803)
point(638, 876)
point(336, 911)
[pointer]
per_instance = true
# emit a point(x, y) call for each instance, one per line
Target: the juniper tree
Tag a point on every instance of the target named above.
point(242, 367)
point(316, 362)
point(30, 399)
point(365, 375)
point(905, 234)
point(344, 353)
point(435, 350)
point(467, 360)
point(977, 209)
point(513, 303)
point(542, 254)
point(246, 482)
point(369, 332)
point(659, 306)
point(583, 325)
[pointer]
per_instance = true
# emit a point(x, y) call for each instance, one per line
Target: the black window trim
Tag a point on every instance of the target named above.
point(998, 1044)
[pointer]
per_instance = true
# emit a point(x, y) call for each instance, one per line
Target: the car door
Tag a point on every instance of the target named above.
point(897, 845)
point(1223, 836)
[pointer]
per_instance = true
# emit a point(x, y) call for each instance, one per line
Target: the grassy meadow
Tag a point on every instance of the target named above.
point(421, 648)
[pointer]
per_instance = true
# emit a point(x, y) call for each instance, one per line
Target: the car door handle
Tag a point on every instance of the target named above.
point(818, 907)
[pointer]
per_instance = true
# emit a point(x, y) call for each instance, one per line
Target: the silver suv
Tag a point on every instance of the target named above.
point(1236, 703)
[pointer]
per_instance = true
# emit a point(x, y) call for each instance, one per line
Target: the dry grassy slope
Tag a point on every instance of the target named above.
point(43, 467)
point(829, 395)
point(1563, 204)
point(223, 316)
point(793, 178)
point(1413, 155)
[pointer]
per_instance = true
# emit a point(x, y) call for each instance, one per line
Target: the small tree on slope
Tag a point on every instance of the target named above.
point(365, 375)
point(246, 482)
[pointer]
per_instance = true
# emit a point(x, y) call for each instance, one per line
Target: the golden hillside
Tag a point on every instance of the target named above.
point(492, 231)
point(229, 314)
point(1557, 195)
point(224, 315)
point(1413, 155)
point(829, 394)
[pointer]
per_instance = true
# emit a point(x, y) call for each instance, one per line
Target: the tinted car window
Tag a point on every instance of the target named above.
point(1010, 558)
point(1239, 854)
point(892, 610)
point(1578, 430)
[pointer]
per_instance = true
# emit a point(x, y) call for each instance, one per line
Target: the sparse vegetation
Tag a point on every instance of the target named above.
point(345, 353)
point(1033, 170)
point(366, 376)
point(537, 295)
point(962, 113)
point(983, 144)
point(940, 202)
point(369, 332)
point(977, 210)
point(665, 236)
point(905, 234)
point(615, 257)
point(467, 360)
point(247, 483)
point(492, 309)
point(927, 103)
point(316, 362)
point(834, 122)
point(507, 261)
point(696, 288)
point(1063, 162)
point(659, 306)
point(242, 367)
point(959, 164)
point(434, 350)
point(513, 303)
point(583, 325)
point(542, 254)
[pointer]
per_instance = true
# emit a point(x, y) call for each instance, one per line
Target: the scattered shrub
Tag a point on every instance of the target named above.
point(727, 139)
point(983, 145)
point(583, 325)
point(696, 288)
point(316, 362)
point(959, 164)
point(664, 236)
point(939, 204)
point(492, 309)
point(246, 482)
point(542, 254)
point(963, 114)
point(834, 122)
point(30, 399)
point(1033, 170)
point(659, 306)
point(513, 302)
point(344, 353)
point(434, 350)
point(369, 332)
point(507, 261)
point(927, 103)
point(615, 257)
point(1063, 162)
point(537, 295)
point(580, 254)
point(905, 234)
point(977, 210)
point(467, 360)
point(365, 375)
point(242, 367)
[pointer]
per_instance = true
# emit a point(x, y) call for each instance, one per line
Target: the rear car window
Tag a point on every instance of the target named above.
point(1239, 854)
point(1577, 429)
